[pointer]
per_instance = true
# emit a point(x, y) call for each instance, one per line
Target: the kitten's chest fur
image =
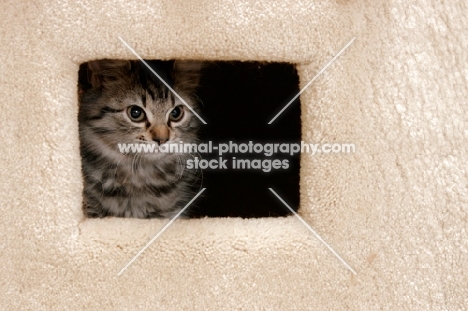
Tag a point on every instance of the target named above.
point(135, 188)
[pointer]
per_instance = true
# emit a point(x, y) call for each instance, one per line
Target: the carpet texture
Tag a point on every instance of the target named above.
point(396, 210)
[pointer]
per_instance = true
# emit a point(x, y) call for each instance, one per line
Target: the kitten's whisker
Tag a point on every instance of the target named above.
point(116, 167)
point(182, 164)
point(138, 160)
point(133, 167)
point(182, 160)
point(179, 160)
point(177, 175)
point(201, 172)
point(201, 182)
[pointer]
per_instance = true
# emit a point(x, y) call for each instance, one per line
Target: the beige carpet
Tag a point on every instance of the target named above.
point(396, 210)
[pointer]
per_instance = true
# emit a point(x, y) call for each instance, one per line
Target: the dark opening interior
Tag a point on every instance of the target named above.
point(239, 99)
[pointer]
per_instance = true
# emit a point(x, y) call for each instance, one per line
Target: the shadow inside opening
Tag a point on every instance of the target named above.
point(239, 99)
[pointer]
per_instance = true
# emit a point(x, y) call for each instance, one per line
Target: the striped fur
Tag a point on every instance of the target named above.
point(135, 185)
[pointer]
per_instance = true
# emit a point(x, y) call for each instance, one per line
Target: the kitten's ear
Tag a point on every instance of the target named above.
point(187, 74)
point(106, 72)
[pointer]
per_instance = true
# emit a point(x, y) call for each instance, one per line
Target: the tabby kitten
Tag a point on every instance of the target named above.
point(123, 102)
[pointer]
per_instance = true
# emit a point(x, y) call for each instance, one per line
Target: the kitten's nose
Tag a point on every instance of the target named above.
point(160, 141)
point(160, 134)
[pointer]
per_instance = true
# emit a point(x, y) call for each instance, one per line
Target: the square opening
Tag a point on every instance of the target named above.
point(237, 100)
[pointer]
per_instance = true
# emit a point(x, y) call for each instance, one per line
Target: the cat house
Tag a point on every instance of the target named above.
point(394, 210)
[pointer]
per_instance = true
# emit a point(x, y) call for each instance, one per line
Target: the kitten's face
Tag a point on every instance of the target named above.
point(129, 104)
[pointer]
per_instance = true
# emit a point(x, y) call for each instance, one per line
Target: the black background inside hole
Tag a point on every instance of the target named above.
point(239, 99)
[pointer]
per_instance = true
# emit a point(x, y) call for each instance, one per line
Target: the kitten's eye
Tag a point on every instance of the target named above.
point(176, 114)
point(136, 113)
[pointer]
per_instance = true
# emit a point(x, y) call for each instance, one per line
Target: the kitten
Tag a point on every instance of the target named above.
point(124, 102)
